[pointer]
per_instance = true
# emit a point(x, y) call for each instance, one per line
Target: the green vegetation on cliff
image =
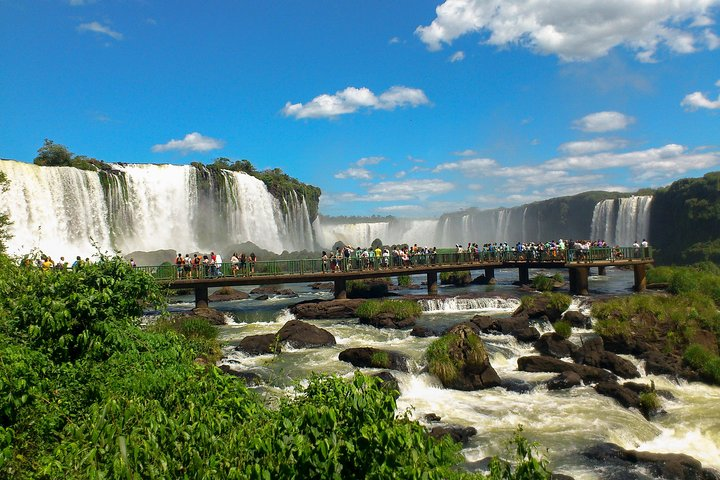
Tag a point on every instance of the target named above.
point(685, 221)
point(53, 154)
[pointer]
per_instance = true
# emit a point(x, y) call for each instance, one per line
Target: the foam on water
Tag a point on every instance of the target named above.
point(455, 304)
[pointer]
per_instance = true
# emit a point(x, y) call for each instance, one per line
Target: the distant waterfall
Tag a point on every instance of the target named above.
point(621, 221)
point(393, 231)
point(64, 211)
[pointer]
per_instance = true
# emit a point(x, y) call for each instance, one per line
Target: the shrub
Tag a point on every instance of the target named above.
point(649, 403)
point(707, 363)
point(559, 301)
point(443, 365)
point(455, 278)
point(404, 281)
point(400, 309)
point(563, 328)
point(542, 283)
point(525, 464)
point(374, 288)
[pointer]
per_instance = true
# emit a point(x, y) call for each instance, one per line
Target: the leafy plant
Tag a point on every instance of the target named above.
point(525, 463)
point(563, 328)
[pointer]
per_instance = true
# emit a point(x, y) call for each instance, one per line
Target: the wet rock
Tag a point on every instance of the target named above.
point(388, 320)
point(457, 433)
point(300, 334)
point(251, 379)
point(468, 358)
point(215, 317)
point(227, 294)
point(516, 385)
point(541, 305)
point(555, 345)
point(259, 344)
point(432, 417)
point(593, 353)
point(564, 381)
point(286, 292)
point(527, 334)
point(389, 383)
point(261, 297)
point(625, 397)
point(326, 309)
point(537, 363)
point(423, 332)
point(265, 290)
point(659, 465)
point(577, 319)
point(322, 286)
point(483, 280)
point(368, 357)
point(518, 327)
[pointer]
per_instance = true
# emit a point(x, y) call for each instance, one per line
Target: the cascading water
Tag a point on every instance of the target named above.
point(64, 211)
point(621, 221)
point(603, 221)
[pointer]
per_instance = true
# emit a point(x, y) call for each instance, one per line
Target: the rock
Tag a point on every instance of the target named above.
point(261, 297)
point(457, 433)
point(286, 292)
point(544, 363)
point(661, 364)
point(516, 385)
point(300, 334)
point(625, 397)
point(369, 288)
point(388, 320)
point(322, 286)
point(432, 417)
point(468, 360)
point(560, 476)
point(326, 309)
point(518, 327)
point(227, 294)
point(251, 379)
point(368, 357)
point(577, 319)
point(540, 306)
point(389, 383)
point(423, 332)
point(265, 290)
point(483, 280)
point(259, 344)
point(660, 465)
point(215, 317)
point(564, 381)
point(555, 345)
point(593, 353)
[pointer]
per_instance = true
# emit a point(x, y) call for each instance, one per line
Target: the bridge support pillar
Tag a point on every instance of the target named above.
point(524, 275)
point(579, 280)
point(432, 283)
point(640, 279)
point(340, 288)
point(489, 273)
point(201, 297)
point(601, 271)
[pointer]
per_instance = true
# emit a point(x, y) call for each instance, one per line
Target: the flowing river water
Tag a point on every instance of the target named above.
point(565, 422)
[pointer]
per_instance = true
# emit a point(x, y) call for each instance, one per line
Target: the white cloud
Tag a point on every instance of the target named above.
point(369, 161)
point(401, 208)
point(465, 153)
point(409, 189)
point(400, 174)
point(592, 146)
point(193, 142)
point(663, 162)
point(353, 99)
point(603, 122)
point(80, 3)
point(574, 30)
point(97, 27)
point(475, 166)
point(695, 100)
point(356, 173)
point(458, 56)
point(394, 40)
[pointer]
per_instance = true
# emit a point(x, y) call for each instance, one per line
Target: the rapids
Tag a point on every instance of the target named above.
point(565, 422)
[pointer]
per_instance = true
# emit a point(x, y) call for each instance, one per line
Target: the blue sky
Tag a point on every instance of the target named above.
point(409, 108)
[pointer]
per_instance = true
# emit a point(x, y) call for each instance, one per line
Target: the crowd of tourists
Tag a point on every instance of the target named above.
point(46, 263)
point(212, 266)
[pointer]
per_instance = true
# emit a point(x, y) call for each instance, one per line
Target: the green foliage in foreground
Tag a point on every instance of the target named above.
point(400, 309)
point(527, 464)
point(702, 278)
point(707, 363)
point(443, 356)
point(563, 328)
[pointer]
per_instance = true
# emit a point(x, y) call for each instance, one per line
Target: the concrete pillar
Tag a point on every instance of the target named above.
point(201, 297)
point(579, 280)
point(432, 283)
point(340, 288)
point(601, 271)
point(640, 279)
point(524, 275)
point(489, 273)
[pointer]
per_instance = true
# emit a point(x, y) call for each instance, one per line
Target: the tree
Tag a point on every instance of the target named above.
point(53, 154)
point(5, 221)
point(243, 166)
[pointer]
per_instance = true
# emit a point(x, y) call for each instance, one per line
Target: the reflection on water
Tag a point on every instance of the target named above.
point(565, 422)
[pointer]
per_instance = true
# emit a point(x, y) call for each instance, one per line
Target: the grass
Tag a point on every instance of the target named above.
point(404, 281)
point(455, 278)
point(563, 328)
point(400, 309)
point(544, 283)
point(198, 331)
point(707, 363)
point(380, 360)
point(446, 368)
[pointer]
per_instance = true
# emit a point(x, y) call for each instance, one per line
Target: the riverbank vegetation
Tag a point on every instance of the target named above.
point(399, 309)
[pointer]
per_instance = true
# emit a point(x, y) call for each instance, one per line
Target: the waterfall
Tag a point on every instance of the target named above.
point(456, 304)
point(603, 221)
point(621, 221)
point(64, 211)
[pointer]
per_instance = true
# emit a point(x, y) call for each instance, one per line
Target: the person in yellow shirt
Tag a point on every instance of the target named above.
point(47, 264)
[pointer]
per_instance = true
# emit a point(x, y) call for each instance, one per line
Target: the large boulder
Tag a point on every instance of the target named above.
point(423, 332)
point(265, 290)
point(555, 345)
point(564, 381)
point(227, 294)
point(458, 433)
point(460, 361)
point(538, 363)
point(625, 396)
point(368, 357)
point(388, 320)
point(659, 465)
point(259, 344)
point(593, 353)
point(547, 305)
point(577, 319)
point(327, 309)
point(300, 334)
point(519, 327)
point(213, 316)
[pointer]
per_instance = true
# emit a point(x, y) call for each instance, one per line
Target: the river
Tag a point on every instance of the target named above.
point(565, 422)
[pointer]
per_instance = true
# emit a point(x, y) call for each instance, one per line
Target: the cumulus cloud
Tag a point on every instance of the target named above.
point(394, 40)
point(664, 162)
point(353, 99)
point(401, 209)
point(603, 122)
point(575, 30)
point(409, 189)
point(369, 161)
point(193, 142)
point(696, 100)
point(475, 166)
point(592, 146)
point(465, 153)
point(356, 173)
point(97, 27)
point(458, 56)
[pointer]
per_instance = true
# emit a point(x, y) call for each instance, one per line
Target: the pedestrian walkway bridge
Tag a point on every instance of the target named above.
point(340, 270)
